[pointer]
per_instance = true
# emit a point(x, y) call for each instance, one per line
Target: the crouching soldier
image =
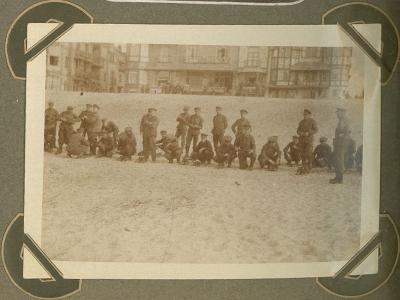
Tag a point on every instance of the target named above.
point(66, 128)
point(169, 144)
point(110, 127)
point(226, 152)
point(322, 155)
point(126, 144)
point(270, 155)
point(246, 148)
point(77, 145)
point(106, 145)
point(50, 125)
point(203, 153)
point(292, 152)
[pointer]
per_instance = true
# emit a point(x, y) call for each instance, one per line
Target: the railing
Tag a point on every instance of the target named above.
point(253, 63)
point(206, 60)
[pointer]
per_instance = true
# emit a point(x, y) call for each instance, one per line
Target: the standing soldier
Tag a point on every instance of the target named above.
point(246, 148)
point(220, 123)
point(195, 125)
point(240, 123)
point(292, 152)
point(50, 127)
point(182, 127)
point(270, 155)
point(83, 116)
point(66, 128)
point(110, 127)
point(349, 154)
point(306, 130)
point(148, 129)
point(126, 144)
point(93, 127)
point(169, 144)
point(203, 152)
point(339, 145)
point(226, 152)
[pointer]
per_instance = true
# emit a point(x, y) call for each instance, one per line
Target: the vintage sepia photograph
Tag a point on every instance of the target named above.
point(204, 154)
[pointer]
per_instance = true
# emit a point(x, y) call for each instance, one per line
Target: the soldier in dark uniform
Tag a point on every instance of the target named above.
point(77, 145)
point(195, 125)
point(226, 152)
point(66, 128)
point(349, 154)
point(110, 127)
point(106, 145)
point(83, 116)
point(203, 152)
point(220, 123)
point(322, 155)
point(126, 144)
point(246, 148)
point(169, 144)
point(340, 144)
point(241, 123)
point(292, 152)
point(306, 130)
point(270, 155)
point(50, 127)
point(148, 130)
point(182, 127)
point(93, 128)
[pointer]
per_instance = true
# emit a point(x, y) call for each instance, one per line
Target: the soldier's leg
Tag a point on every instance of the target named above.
point(188, 141)
point(261, 161)
point(215, 140)
point(152, 147)
point(339, 163)
point(288, 158)
point(242, 160)
point(61, 139)
point(92, 136)
point(195, 141)
point(253, 158)
point(146, 151)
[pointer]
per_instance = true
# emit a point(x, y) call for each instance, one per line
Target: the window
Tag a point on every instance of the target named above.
point(222, 54)
point(134, 52)
point(53, 60)
point(191, 54)
point(133, 77)
point(283, 75)
point(164, 54)
point(67, 61)
point(253, 56)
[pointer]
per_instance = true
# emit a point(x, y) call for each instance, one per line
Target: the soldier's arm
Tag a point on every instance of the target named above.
point(225, 123)
point(155, 122)
point(286, 149)
point(314, 128)
point(233, 127)
point(253, 144)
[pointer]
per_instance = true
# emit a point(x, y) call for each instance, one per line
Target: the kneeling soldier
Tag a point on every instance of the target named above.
point(126, 144)
point(203, 151)
point(109, 126)
point(322, 155)
point(292, 152)
point(77, 144)
point(246, 147)
point(106, 145)
point(226, 152)
point(169, 144)
point(270, 154)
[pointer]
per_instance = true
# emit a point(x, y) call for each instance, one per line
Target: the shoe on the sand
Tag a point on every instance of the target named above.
point(335, 181)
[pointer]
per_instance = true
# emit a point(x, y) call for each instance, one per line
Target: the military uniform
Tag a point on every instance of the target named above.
point(77, 144)
point(65, 130)
point(220, 124)
point(169, 144)
point(340, 144)
point(109, 127)
point(106, 146)
point(270, 156)
point(292, 153)
point(182, 127)
point(322, 156)
point(349, 154)
point(359, 158)
point(239, 124)
point(93, 128)
point(246, 146)
point(203, 152)
point(83, 116)
point(226, 153)
point(306, 130)
point(195, 125)
point(126, 145)
point(50, 128)
point(148, 128)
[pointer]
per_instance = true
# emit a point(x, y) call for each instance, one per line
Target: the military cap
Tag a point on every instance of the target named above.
point(95, 105)
point(204, 134)
point(163, 131)
point(151, 109)
point(186, 108)
point(244, 111)
point(307, 111)
point(197, 109)
point(70, 108)
point(323, 139)
point(218, 108)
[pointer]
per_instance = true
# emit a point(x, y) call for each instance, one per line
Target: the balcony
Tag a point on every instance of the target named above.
point(206, 60)
point(252, 65)
point(300, 85)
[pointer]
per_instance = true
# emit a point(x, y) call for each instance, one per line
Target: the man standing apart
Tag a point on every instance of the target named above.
point(241, 123)
point(195, 125)
point(340, 143)
point(220, 124)
point(93, 128)
point(67, 118)
point(182, 127)
point(83, 116)
point(306, 130)
point(50, 127)
point(246, 148)
point(148, 130)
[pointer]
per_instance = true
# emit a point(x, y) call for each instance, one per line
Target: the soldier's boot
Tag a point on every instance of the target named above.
point(336, 181)
point(59, 150)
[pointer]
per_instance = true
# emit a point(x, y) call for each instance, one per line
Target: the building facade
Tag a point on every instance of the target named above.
point(276, 72)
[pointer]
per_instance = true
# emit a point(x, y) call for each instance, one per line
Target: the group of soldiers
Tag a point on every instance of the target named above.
point(101, 137)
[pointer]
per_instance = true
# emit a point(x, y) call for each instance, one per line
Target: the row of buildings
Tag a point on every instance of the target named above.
point(278, 72)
